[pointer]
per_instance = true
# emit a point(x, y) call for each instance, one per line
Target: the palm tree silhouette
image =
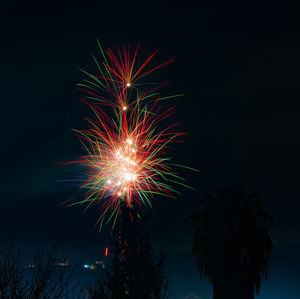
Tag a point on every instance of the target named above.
point(231, 243)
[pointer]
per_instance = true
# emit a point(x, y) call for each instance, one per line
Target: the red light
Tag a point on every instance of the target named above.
point(106, 251)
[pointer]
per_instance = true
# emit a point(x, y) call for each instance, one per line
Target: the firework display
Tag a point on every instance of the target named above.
point(126, 143)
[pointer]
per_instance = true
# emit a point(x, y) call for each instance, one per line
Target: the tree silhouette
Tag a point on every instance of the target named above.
point(133, 273)
point(45, 279)
point(231, 243)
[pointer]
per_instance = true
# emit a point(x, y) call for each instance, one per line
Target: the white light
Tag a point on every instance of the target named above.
point(108, 181)
point(124, 108)
point(119, 193)
point(127, 176)
point(129, 141)
point(128, 84)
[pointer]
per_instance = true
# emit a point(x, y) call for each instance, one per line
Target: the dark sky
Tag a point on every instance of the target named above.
point(239, 68)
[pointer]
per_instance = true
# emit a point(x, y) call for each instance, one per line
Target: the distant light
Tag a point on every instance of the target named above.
point(124, 108)
point(128, 84)
point(129, 141)
point(90, 267)
point(106, 251)
point(31, 266)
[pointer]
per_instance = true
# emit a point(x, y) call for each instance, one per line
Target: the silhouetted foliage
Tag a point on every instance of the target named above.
point(133, 273)
point(43, 280)
point(232, 244)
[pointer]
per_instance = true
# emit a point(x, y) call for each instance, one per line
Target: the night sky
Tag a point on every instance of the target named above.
point(239, 68)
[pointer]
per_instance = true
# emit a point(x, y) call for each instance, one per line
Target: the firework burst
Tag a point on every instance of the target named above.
point(126, 149)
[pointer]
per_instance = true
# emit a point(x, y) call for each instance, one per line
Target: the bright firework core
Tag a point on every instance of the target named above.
point(122, 169)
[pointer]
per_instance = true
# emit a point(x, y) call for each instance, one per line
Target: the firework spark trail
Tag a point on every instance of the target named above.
point(125, 158)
